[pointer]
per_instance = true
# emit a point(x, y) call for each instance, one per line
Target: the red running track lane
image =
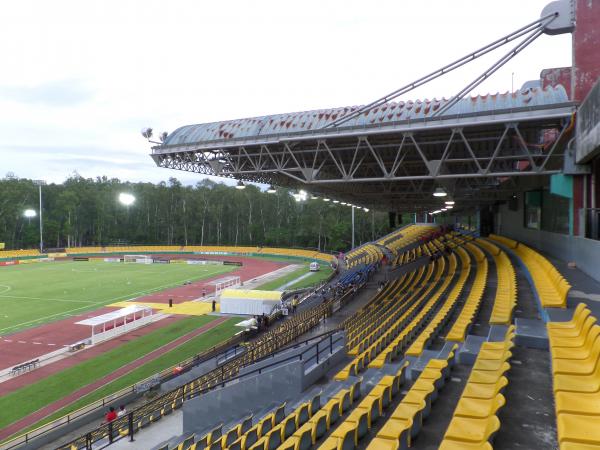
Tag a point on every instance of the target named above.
point(73, 359)
point(21, 347)
point(251, 269)
point(34, 342)
point(15, 427)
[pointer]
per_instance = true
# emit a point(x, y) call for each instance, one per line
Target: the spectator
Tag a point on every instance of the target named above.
point(214, 305)
point(110, 415)
point(294, 303)
point(122, 411)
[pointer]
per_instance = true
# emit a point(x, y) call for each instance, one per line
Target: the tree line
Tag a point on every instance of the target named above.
point(86, 212)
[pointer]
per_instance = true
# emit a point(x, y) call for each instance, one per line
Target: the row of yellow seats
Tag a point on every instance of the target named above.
point(372, 318)
point(406, 420)
point(400, 337)
point(78, 250)
point(120, 427)
point(365, 332)
point(474, 421)
point(242, 436)
point(266, 344)
point(17, 253)
point(385, 332)
point(208, 441)
point(367, 254)
point(143, 248)
point(388, 289)
point(444, 313)
point(322, 420)
point(406, 236)
point(430, 326)
point(506, 291)
point(365, 414)
point(402, 310)
point(575, 349)
point(551, 286)
point(365, 321)
point(460, 328)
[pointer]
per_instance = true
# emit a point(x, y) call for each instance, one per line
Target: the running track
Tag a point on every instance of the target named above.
point(32, 343)
point(15, 427)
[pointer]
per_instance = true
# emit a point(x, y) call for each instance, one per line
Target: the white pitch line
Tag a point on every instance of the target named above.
point(22, 342)
point(48, 299)
point(102, 302)
point(36, 343)
point(6, 288)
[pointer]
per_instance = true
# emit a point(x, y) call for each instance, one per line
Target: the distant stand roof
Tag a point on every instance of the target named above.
point(298, 122)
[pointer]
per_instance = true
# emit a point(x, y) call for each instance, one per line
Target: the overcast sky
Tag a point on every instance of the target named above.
point(79, 79)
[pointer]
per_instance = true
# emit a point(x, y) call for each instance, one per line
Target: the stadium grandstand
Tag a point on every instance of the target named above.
point(473, 327)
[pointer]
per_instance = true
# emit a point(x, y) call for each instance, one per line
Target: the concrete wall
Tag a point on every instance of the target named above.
point(242, 397)
point(584, 252)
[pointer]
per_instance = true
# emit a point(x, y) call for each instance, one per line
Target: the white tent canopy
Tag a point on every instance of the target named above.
point(118, 316)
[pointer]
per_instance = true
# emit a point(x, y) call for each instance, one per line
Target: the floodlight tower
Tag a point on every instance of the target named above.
point(39, 184)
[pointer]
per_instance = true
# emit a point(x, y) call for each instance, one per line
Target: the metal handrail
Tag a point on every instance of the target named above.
point(164, 375)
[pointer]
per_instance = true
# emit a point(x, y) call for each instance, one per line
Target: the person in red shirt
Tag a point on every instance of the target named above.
point(111, 415)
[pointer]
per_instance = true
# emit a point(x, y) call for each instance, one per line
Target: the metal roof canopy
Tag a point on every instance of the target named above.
point(113, 316)
point(393, 155)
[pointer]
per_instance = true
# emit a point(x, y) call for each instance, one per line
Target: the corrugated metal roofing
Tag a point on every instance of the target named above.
point(390, 112)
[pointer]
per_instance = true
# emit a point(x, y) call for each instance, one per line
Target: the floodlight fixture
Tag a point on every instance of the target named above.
point(439, 192)
point(29, 213)
point(271, 190)
point(126, 199)
point(366, 209)
point(336, 201)
point(449, 202)
point(240, 185)
point(147, 132)
point(326, 199)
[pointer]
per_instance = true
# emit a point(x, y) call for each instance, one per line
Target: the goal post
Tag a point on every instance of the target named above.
point(137, 259)
point(230, 282)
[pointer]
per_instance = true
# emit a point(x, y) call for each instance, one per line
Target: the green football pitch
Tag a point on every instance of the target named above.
point(32, 294)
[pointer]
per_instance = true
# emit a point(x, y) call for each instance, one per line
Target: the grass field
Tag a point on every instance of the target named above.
point(33, 294)
point(308, 281)
point(28, 399)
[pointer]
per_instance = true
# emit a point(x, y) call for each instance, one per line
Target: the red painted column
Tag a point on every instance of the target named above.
point(586, 45)
point(586, 70)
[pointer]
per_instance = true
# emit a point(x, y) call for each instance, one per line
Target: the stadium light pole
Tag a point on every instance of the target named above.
point(39, 184)
point(353, 225)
